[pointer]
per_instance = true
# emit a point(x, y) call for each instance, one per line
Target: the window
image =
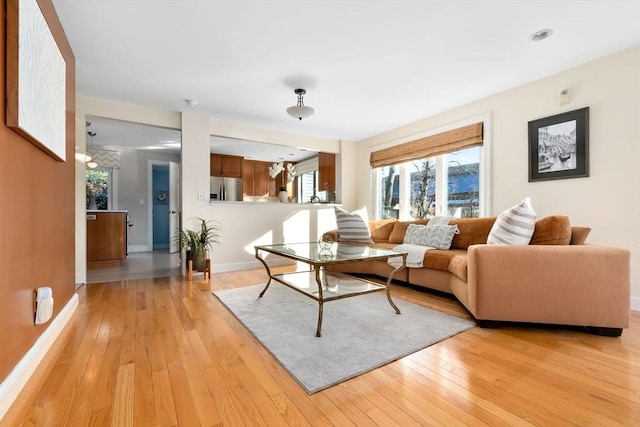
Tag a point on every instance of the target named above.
point(447, 184)
point(307, 186)
point(100, 189)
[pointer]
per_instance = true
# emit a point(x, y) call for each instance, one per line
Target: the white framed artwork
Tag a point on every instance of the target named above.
point(36, 79)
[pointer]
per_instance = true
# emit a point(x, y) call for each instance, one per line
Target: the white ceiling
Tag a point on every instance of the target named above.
point(367, 66)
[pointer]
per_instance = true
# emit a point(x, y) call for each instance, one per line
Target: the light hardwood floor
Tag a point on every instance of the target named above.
point(164, 352)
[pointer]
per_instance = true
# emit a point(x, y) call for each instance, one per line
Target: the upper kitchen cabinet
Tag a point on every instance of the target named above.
point(256, 180)
point(326, 172)
point(226, 166)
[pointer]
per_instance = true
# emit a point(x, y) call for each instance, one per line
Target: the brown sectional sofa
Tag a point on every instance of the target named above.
point(556, 279)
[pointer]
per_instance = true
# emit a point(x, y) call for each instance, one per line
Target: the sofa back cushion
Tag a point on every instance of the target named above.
point(400, 229)
point(552, 230)
point(579, 235)
point(381, 230)
point(473, 231)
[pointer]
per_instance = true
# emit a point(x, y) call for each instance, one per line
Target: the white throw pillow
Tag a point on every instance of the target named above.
point(514, 226)
point(435, 236)
point(354, 226)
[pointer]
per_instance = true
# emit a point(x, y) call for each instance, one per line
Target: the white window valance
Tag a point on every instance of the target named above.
point(105, 158)
point(307, 166)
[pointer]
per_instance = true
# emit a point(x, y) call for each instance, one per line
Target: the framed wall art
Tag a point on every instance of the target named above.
point(35, 79)
point(559, 146)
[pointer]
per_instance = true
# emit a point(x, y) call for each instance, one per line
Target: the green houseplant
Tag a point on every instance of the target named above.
point(196, 242)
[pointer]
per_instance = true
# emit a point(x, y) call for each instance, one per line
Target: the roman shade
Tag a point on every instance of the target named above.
point(105, 158)
point(307, 166)
point(434, 145)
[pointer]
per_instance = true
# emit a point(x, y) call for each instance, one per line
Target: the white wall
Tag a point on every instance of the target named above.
point(246, 224)
point(609, 200)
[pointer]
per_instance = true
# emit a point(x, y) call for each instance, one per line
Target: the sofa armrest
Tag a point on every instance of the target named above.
point(585, 285)
point(331, 233)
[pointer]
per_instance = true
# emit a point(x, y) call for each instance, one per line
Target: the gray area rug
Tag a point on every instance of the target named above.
point(358, 334)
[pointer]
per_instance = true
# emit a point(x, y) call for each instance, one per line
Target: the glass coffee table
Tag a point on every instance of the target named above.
point(325, 285)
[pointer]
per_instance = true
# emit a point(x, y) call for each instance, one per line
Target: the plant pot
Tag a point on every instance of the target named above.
point(283, 196)
point(199, 261)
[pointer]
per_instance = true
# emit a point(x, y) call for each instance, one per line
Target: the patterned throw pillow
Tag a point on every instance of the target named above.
point(435, 236)
point(514, 226)
point(353, 227)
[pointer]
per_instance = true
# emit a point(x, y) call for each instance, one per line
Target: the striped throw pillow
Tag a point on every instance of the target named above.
point(514, 226)
point(353, 227)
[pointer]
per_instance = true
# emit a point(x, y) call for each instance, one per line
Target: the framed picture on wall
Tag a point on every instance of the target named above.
point(559, 146)
point(35, 79)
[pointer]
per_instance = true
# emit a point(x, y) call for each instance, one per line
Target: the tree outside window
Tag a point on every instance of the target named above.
point(97, 186)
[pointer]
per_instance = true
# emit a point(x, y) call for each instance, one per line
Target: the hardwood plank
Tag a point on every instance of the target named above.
point(123, 412)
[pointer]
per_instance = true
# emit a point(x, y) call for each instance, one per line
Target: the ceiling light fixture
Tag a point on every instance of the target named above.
point(541, 35)
point(90, 163)
point(300, 111)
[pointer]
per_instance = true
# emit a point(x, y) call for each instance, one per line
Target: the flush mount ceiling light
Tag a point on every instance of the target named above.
point(541, 35)
point(300, 111)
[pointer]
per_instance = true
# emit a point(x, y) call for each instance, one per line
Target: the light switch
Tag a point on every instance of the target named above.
point(142, 201)
point(202, 196)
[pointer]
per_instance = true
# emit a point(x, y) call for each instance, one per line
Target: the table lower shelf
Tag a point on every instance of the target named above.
point(335, 285)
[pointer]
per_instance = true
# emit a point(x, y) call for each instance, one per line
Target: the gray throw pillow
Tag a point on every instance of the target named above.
point(435, 236)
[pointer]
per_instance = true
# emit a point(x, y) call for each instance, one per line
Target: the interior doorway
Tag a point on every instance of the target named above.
point(160, 206)
point(164, 205)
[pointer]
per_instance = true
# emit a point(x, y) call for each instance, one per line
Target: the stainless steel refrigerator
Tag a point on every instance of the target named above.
point(225, 188)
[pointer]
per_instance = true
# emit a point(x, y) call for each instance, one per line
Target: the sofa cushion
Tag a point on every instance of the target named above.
point(352, 227)
point(514, 226)
point(439, 260)
point(458, 266)
point(579, 235)
point(552, 230)
point(473, 231)
point(381, 230)
point(435, 236)
point(400, 229)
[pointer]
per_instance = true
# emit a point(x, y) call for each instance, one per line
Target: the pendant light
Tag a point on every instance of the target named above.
point(90, 163)
point(300, 111)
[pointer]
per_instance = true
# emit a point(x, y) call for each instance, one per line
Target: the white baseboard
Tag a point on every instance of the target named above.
point(18, 377)
point(635, 303)
point(236, 266)
point(139, 248)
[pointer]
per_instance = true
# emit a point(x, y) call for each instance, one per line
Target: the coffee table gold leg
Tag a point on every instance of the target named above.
point(320, 302)
point(393, 273)
point(268, 273)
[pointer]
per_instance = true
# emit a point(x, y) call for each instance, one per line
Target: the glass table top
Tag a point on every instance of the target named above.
point(329, 253)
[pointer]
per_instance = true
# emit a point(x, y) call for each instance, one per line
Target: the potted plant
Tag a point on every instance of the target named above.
point(198, 242)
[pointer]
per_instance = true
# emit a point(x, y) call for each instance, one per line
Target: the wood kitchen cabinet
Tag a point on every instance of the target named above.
point(226, 166)
point(106, 238)
point(326, 172)
point(256, 180)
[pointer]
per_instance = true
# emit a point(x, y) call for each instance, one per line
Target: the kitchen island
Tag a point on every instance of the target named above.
point(106, 238)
